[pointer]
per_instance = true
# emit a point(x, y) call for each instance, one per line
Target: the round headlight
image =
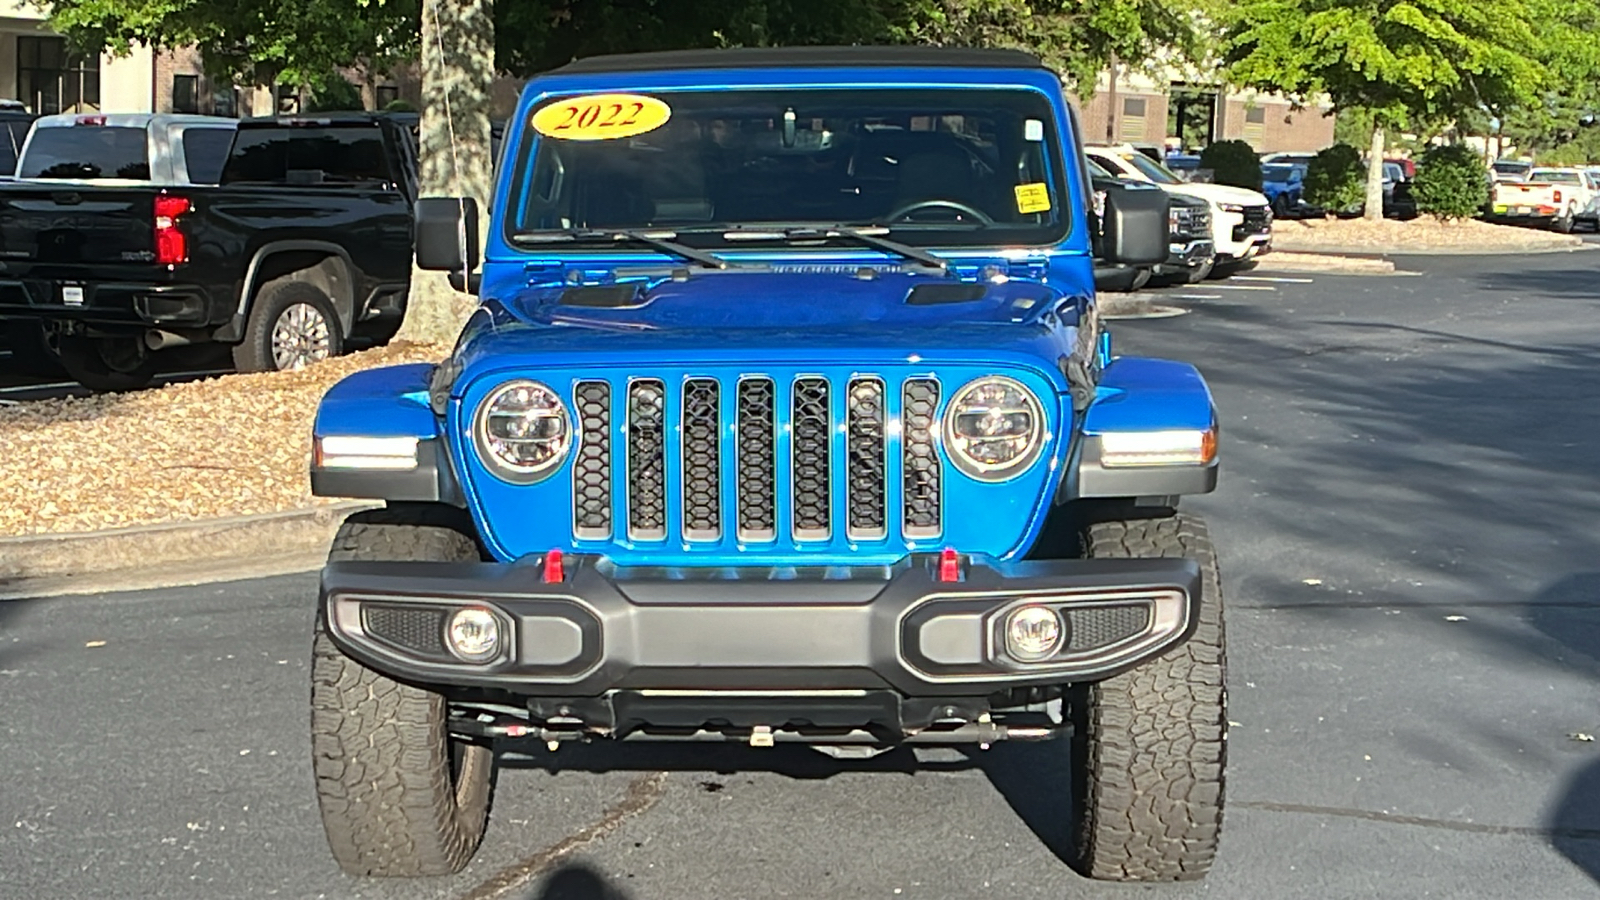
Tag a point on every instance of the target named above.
point(473, 634)
point(993, 428)
point(1033, 633)
point(523, 431)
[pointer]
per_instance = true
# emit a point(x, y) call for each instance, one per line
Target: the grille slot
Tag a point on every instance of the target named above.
point(757, 465)
point(920, 460)
point(702, 460)
point(750, 452)
point(866, 465)
point(591, 472)
point(647, 461)
point(812, 491)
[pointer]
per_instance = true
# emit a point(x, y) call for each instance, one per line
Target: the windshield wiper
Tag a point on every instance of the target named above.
point(870, 235)
point(657, 240)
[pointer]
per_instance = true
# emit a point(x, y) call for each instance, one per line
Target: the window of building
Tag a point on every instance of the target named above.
point(185, 93)
point(386, 94)
point(1255, 124)
point(225, 102)
point(288, 100)
point(51, 80)
point(1133, 125)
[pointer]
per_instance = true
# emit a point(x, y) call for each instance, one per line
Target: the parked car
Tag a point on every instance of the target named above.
point(1408, 167)
point(127, 149)
point(1510, 169)
point(14, 125)
point(303, 248)
point(1284, 185)
point(1241, 219)
point(1579, 199)
point(1536, 200)
point(1190, 253)
point(779, 416)
point(1288, 158)
point(1187, 167)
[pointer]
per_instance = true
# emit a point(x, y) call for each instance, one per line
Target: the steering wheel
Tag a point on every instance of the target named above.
point(906, 211)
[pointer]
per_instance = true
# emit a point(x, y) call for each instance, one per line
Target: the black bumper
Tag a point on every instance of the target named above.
point(903, 631)
point(113, 302)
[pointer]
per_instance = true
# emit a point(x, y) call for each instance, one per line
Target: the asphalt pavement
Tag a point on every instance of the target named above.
point(1407, 521)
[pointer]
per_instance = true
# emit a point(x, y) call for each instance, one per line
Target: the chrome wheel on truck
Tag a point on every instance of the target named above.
point(300, 336)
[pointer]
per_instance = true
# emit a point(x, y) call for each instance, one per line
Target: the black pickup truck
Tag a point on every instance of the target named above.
point(303, 246)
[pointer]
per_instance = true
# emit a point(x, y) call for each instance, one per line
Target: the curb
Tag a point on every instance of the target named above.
point(168, 554)
point(1436, 251)
point(1323, 263)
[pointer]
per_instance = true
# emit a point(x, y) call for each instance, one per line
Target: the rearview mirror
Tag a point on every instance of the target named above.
point(446, 234)
point(1134, 224)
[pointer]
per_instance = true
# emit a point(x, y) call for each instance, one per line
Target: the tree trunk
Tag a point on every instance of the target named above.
point(457, 50)
point(1374, 208)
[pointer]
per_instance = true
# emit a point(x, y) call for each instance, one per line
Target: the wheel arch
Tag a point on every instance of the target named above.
point(322, 264)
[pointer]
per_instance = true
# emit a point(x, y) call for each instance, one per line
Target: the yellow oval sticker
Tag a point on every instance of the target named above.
point(601, 117)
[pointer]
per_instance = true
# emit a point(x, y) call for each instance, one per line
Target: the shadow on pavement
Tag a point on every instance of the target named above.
point(577, 881)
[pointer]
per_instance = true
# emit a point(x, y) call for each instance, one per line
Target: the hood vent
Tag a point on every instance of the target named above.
point(960, 292)
point(607, 296)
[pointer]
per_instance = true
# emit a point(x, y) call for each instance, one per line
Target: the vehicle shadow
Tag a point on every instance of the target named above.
point(577, 881)
point(788, 760)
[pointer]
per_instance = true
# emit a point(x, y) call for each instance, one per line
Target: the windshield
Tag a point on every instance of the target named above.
point(86, 152)
point(935, 166)
point(1555, 176)
point(1278, 173)
point(1150, 168)
point(1511, 167)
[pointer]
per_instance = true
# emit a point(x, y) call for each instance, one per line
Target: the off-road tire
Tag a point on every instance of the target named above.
point(1149, 746)
point(399, 797)
point(254, 353)
point(108, 365)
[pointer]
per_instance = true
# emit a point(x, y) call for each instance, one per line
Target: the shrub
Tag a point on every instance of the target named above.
point(399, 106)
point(1233, 162)
point(1450, 183)
point(1336, 179)
point(334, 94)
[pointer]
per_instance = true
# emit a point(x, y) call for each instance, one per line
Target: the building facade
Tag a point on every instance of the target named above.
point(1138, 108)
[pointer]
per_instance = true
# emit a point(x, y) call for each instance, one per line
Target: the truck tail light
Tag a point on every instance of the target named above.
point(172, 246)
point(91, 120)
point(1558, 196)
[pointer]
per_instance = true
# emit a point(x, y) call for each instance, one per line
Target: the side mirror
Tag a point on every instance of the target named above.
point(1135, 226)
point(446, 234)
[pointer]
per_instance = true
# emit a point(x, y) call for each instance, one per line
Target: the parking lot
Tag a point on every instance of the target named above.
point(1406, 518)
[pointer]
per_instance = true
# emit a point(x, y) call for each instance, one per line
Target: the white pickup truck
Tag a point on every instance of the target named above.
point(1558, 197)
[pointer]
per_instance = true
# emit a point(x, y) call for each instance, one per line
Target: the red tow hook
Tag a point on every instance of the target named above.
point(949, 565)
point(553, 573)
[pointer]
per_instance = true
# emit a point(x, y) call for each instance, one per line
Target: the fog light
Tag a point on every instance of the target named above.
point(473, 634)
point(1033, 633)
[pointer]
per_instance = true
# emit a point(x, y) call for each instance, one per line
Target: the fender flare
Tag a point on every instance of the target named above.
point(344, 306)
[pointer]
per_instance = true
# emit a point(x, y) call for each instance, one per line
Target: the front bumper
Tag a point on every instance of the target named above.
point(756, 630)
point(1183, 254)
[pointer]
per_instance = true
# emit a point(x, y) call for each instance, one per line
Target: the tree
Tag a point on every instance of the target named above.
point(1393, 59)
point(458, 53)
point(263, 42)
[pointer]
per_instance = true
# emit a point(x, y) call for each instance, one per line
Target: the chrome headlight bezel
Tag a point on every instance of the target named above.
point(954, 445)
point(509, 471)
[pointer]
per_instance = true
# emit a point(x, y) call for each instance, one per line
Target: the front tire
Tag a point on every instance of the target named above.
point(399, 796)
point(1149, 746)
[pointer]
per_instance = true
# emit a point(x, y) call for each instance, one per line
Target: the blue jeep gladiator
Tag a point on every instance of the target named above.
point(786, 416)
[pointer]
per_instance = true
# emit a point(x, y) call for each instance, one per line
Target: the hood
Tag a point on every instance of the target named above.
point(1220, 193)
point(735, 316)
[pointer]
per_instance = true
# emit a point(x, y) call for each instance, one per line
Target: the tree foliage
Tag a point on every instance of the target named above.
point(299, 42)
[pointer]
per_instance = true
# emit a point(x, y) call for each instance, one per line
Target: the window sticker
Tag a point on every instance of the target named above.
point(601, 117)
point(1033, 130)
point(1033, 198)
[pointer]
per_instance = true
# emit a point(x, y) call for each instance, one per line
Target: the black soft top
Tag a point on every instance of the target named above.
point(795, 57)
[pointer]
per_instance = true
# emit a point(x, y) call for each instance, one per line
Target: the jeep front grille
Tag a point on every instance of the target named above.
point(737, 468)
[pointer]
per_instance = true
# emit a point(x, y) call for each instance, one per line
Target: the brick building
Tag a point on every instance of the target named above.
point(1143, 109)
